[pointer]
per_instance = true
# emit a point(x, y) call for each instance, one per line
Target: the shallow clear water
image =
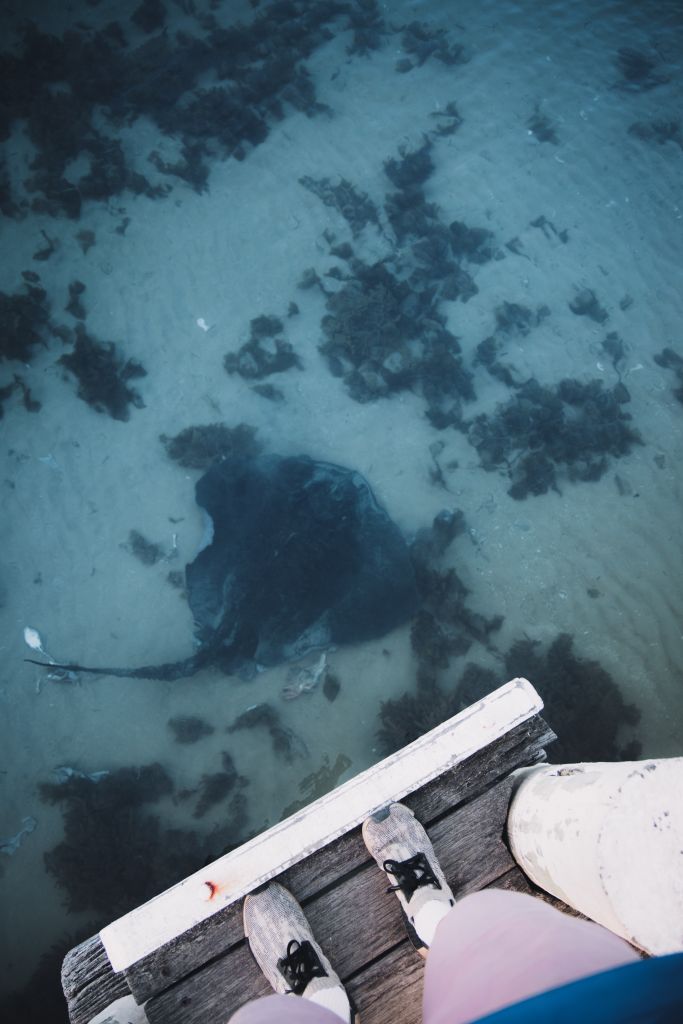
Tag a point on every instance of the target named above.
point(508, 180)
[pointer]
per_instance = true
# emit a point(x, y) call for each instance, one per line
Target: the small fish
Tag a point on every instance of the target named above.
point(291, 692)
point(305, 679)
point(63, 675)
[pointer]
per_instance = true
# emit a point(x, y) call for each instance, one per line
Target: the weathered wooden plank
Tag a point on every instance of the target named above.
point(469, 845)
point(513, 880)
point(200, 896)
point(469, 841)
point(521, 746)
point(89, 982)
point(391, 988)
point(465, 781)
point(334, 920)
point(84, 963)
point(524, 745)
point(89, 1001)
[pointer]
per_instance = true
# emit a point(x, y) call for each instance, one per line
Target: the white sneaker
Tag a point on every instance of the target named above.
point(404, 852)
point(285, 949)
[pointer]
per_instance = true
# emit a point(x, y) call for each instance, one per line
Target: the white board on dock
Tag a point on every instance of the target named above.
point(232, 876)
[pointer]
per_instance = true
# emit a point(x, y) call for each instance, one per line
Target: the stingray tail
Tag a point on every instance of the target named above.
point(171, 670)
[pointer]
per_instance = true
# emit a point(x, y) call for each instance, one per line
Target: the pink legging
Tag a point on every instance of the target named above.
point(494, 948)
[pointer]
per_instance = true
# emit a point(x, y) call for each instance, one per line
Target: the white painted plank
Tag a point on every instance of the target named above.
point(123, 1011)
point(228, 879)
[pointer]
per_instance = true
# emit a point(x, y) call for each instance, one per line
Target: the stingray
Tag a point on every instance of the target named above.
point(298, 555)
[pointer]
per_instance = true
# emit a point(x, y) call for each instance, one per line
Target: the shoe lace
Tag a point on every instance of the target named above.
point(411, 874)
point(300, 965)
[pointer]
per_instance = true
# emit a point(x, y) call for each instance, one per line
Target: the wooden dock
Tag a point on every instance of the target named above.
point(182, 957)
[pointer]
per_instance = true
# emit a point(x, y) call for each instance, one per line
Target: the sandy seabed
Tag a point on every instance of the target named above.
point(75, 482)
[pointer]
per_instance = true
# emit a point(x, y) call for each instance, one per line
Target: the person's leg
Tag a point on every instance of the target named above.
point(495, 948)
